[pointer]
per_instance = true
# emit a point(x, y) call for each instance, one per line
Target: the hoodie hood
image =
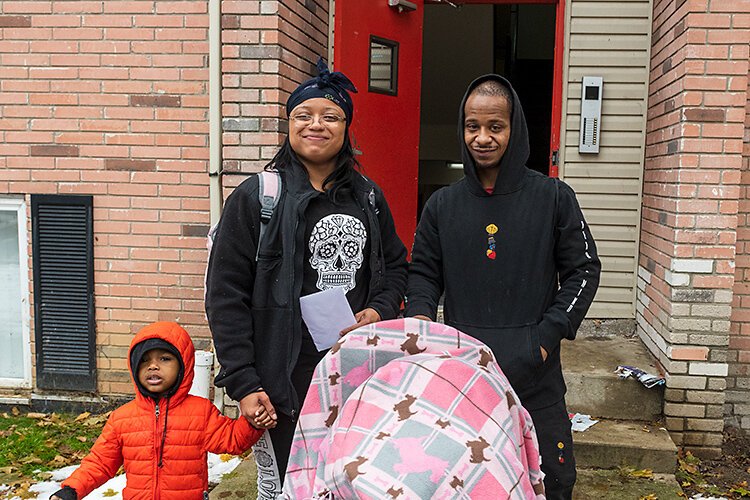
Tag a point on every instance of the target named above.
point(513, 164)
point(171, 337)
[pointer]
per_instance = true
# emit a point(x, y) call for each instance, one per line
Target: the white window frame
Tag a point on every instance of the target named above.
point(18, 206)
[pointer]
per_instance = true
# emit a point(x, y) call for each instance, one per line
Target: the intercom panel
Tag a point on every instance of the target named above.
point(591, 114)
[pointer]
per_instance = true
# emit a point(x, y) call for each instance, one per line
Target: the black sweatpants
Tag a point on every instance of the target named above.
point(556, 448)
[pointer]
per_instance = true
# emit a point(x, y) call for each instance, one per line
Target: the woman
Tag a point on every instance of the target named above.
point(332, 227)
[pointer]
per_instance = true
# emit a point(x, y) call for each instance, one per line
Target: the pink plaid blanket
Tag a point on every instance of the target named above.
point(412, 409)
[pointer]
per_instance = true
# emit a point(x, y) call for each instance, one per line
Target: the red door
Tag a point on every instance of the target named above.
point(386, 123)
point(386, 109)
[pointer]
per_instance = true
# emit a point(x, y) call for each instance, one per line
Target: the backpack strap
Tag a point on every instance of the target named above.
point(269, 190)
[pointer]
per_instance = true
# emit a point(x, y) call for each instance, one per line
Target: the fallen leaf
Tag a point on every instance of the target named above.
point(36, 415)
point(741, 489)
point(64, 449)
point(82, 416)
point(7, 470)
point(631, 472)
point(82, 439)
point(15, 411)
point(690, 468)
point(650, 496)
point(647, 473)
point(109, 493)
point(226, 457)
point(22, 490)
point(95, 421)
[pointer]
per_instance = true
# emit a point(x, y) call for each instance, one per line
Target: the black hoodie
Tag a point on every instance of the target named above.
point(512, 303)
point(253, 305)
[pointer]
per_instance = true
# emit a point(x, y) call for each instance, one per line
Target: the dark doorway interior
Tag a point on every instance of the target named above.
point(514, 40)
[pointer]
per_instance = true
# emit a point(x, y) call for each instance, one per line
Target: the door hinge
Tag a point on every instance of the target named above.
point(402, 5)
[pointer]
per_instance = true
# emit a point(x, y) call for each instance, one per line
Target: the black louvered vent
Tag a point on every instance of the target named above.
point(64, 291)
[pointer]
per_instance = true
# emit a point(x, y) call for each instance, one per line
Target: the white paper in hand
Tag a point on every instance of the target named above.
point(326, 313)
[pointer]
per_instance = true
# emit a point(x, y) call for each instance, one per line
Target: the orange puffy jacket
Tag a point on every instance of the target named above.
point(178, 432)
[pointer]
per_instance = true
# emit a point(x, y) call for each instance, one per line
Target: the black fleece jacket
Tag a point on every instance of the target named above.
point(253, 307)
point(537, 289)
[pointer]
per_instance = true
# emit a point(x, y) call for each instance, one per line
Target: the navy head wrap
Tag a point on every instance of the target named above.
point(331, 86)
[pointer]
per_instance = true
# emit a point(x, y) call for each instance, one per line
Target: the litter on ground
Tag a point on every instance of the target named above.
point(580, 422)
point(647, 379)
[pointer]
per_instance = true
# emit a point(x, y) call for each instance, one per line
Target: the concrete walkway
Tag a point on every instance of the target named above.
point(591, 485)
point(240, 483)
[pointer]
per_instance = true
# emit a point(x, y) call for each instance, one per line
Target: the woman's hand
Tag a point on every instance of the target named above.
point(422, 317)
point(364, 317)
point(258, 410)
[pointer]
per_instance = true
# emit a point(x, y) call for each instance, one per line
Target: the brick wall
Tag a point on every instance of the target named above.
point(110, 99)
point(268, 48)
point(697, 98)
point(738, 381)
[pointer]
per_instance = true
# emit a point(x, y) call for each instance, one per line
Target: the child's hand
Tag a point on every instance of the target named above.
point(263, 420)
point(256, 404)
point(55, 497)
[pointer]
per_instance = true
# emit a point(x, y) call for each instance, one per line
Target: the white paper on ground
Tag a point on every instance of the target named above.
point(580, 422)
point(326, 313)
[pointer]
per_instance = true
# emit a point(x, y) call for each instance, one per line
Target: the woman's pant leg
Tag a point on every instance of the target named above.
point(283, 434)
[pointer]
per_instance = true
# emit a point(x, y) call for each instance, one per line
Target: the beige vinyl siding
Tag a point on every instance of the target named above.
point(610, 39)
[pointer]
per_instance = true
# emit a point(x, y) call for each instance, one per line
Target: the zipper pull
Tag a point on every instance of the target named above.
point(156, 411)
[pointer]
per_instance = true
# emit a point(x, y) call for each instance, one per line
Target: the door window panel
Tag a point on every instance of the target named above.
point(383, 66)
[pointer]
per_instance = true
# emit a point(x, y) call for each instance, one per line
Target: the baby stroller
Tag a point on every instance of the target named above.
point(412, 409)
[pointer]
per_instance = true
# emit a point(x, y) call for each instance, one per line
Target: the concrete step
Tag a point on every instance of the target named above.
point(609, 444)
point(611, 485)
point(589, 364)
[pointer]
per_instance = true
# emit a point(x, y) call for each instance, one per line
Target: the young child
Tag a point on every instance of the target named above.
point(162, 437)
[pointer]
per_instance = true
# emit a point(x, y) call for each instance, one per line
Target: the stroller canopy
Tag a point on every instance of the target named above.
point(412, 409)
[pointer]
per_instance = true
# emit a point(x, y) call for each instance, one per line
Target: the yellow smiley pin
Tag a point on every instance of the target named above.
point(491, 229)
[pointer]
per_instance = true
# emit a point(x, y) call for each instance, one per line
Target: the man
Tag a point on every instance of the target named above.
point(512, 252)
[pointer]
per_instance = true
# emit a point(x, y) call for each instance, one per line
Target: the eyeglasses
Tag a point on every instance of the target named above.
point(306, 119)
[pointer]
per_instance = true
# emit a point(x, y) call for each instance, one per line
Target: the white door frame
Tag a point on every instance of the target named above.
point(18, 205)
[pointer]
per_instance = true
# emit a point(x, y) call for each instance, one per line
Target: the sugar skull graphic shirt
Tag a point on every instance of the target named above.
point(336, 250)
